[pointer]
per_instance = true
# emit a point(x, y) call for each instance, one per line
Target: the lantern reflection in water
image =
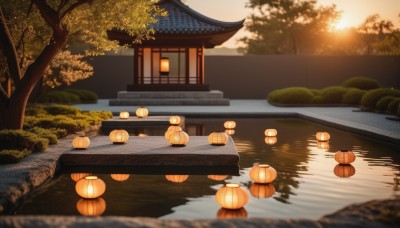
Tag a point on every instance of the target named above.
point(323, 145)
point(231, 213)
point(91, 207)
point(217, 177)
point(344, 170)
point(77, 176)
point(230, 131)
point(232, 196)
point(90, 187)
point(271, 140)
point(262, 190)
point(177, 178)
point(120, 177)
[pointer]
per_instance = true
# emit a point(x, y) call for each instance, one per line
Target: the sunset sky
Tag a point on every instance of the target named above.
point(354, 12)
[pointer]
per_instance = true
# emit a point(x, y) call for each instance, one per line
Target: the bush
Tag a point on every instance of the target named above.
point(291, 95)
point(59, 132)
point(370, 99)
point(35, 110)
point(383, 103)
point(57, 109)
point(60, 97)
point(45, 133)
point(361, 83)
point(85, 96)
point(353, 96)
point(21, 140)
point(333, 94)
point(63, 122)
point(315, 92)
point(392, 107)
point(12, 156)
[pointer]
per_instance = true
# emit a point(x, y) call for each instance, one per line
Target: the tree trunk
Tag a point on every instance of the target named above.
point(12, 114)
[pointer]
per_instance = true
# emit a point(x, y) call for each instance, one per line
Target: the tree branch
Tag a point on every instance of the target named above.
point(9, 49)
point(73, 6)
point(49, 15)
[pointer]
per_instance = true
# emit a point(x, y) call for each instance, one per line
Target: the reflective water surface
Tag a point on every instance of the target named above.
point(310, 184)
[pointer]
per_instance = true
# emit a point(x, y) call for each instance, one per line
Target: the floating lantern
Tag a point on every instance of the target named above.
point(230, 131)
point(124, 115)
point(271, 132)
point(345, 157)
point(217, 177)
point(262, 190)
point(177, 178)
point(218, 138)
point(170, 130)
point(77, 176)
point(119, 136)
point(142, 112)
point(175, 120)
point(91, 207)
point(231, 213)
point(322, 145)
point(262, 174)
point(271, 140)
point(344, 170)
point(323, 136)
point(120, 177)
point(178, 138)
point(80, 143)
point(164, 66)
point(230, 124)
point(90, 187)
point(231, 196)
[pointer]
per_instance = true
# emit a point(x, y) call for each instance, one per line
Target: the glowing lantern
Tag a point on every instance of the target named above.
point(271, 132)
point(119, 136)
point(178, 138)
point(345, 157)
point(142, 112)
point(323, 136)
point(217, 177)
point(231, 196)
point(170, 130)
point(80, 143)
point(230, 124)
point(120, 177)
point(344, 170)
point(262, 174)
point(77, 176)
point(230, 131)
point(90, 187)
point(322, 145)
point(124, 115)
point(91, 207)
point(262, 190)
point(271, 140)
point(177, 178)
point(231, 213)
point(164, 66)
point(175, 120)
point(218, 138)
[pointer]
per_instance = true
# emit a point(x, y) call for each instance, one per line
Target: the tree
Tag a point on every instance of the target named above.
point(26, 23)
point(287, 26)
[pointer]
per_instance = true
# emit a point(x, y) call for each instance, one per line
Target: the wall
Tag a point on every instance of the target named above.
point(252, 77)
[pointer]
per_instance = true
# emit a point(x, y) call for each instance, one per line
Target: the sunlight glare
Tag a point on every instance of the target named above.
point(342, 24)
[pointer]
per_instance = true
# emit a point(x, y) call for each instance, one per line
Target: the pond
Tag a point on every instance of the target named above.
point(309, 182)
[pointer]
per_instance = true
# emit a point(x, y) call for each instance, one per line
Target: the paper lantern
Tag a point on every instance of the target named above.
point(178, 138)
point(230, 131)
point(344, 170)
point(120, 177)
point(77, 176)
point(170, 130)
point(119, 136)
point(262, 190)
point(80, 143)
point(322, 145)
point(217, 177)
point(177, 178)
point(271, 140)
point(345, 157)
point(91, 207)
point(231, 213)
point(90, 187)
point(175, 120)
point(231, 196)
point(124, 115)
point(142, 112)
point(323, 136)
point(230, 124)
point(271, 132)
point(164, 66)
point(262, 174)
point(218, 138)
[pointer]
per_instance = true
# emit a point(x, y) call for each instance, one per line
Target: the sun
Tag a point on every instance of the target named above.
point(342, 24)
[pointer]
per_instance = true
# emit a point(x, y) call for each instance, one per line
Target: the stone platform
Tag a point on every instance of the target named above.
point(152, 151)
point(133, 122)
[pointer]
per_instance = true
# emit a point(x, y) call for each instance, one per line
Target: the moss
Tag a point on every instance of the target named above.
point(363, 83)
point(21, 140)
point(291, 95)
point(392, 107)
point(12, 156)
point(45, 133)
point(57, 109)
point(333, 94)
point(383, 103)
point(60, 97)
point(370, 99)
point(353, 96)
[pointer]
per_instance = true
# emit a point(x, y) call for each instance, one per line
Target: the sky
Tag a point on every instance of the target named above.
point(354, 12)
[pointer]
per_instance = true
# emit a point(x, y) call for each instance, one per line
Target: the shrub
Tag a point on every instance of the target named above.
point(353, 96)
point(60, 97)
point(392, 107)
point(12, 156)
point(57, 109)
point(21, 140)
point(45, 133)
point(35, 110)
point(333, 94)
point(291, 95)
point(85, 96)
point(59, 132)
point(63, 122)
point(371, 98)
point(315, 92)
point(361, 83)
point(383, 103)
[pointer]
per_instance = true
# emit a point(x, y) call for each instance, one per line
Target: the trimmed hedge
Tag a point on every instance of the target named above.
point(60, 97)
point(63, 122)
point(291, 95)
point(333, 94)
point(370, 99)
point(383, 103)
point(45, 133)
point(35, 110)
point(361, 83)
point(57, 109)
point(21, 140)
point(392, 107)
point(12, 156)
point(353, 96)
point(85, 96)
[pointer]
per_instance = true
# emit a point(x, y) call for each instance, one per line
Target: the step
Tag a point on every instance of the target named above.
point(160, 102)
point(213, 94)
